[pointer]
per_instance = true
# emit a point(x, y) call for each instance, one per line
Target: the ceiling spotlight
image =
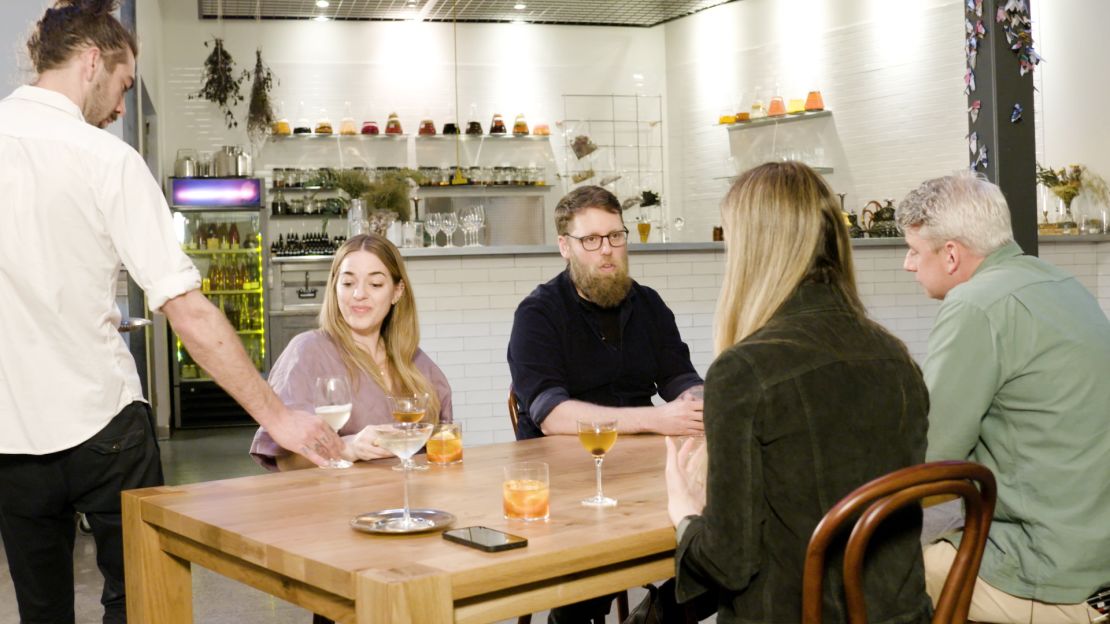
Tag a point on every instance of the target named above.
point(322, 18)
point(323, 4)
point(520, 6)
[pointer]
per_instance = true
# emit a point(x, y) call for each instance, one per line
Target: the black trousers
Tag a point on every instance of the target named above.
point(589, 611)
point(39, 498)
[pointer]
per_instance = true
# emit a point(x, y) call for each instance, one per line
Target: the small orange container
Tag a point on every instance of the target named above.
point(814, 102)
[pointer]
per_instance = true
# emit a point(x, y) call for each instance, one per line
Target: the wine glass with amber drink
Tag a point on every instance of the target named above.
point(597, 437)
point(409, 410)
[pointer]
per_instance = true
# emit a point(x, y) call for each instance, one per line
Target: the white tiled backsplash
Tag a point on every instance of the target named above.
point(466, 310)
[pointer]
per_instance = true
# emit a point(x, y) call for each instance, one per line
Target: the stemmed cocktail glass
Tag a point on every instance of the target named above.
point(598, 436)
point(403, 440)
point(332, 398)
point(409, 409)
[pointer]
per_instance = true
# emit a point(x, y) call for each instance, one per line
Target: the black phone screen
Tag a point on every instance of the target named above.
point(485, 538)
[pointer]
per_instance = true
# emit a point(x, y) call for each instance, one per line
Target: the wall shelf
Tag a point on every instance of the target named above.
point(773, 121)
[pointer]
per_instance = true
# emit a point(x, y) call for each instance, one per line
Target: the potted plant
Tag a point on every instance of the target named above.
point(1066, 183)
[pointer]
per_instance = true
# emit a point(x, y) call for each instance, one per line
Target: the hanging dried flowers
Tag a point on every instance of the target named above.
point(260, 112)
point(221, 87)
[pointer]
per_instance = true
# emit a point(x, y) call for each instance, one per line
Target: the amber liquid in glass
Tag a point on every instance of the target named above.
point(644, 228)
point(444, 448)
point(525, 499)
point(408, 417)
point(597, 442)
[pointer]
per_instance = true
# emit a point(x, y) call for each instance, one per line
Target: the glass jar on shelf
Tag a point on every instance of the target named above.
point(497, 126)
point(347, 125)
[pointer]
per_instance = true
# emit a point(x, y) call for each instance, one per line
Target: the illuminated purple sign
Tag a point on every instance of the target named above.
point(216, 191)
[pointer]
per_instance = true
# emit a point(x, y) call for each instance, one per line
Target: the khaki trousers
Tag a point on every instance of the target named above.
point(990, 604)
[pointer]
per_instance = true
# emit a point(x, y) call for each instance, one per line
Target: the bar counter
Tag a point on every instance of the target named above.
point(466, 298)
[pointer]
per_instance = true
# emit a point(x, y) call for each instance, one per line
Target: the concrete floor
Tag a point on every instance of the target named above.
point(192, 456)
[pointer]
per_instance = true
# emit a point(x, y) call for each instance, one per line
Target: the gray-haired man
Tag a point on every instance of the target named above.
point(1017, 373)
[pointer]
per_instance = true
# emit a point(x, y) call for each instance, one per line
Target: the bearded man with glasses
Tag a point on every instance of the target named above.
point(594, 343)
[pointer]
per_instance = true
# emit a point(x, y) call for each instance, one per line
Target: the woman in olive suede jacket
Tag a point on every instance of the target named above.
point(807, 400)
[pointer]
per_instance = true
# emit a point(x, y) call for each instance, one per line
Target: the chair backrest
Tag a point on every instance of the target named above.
point(512, 409)
point(882, 497)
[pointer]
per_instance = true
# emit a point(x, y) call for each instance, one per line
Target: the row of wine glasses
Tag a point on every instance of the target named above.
point(446, 222)
point(472, 218)
point(469, 219)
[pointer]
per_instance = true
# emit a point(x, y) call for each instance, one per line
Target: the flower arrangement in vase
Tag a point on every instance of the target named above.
point(1066, 183)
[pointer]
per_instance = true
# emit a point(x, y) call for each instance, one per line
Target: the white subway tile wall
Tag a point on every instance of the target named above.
point(466, 330)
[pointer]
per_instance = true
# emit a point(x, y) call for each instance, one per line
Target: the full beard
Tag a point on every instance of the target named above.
point(606, 291)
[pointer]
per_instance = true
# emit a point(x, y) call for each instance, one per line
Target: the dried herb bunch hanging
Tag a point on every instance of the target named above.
point(221, 86)
point(260, 111)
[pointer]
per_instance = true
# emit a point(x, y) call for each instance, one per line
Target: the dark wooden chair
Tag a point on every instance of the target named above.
point(622, 598)
point(877, 500)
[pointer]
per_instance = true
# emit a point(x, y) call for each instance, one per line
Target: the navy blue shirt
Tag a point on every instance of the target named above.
point(558, 352)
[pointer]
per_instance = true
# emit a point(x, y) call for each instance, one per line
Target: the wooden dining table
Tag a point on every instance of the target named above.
point(289, 535)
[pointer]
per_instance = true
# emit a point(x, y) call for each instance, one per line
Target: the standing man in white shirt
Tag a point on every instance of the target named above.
point(74, 428)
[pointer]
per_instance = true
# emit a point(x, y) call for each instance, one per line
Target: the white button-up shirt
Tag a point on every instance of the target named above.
point(75, 203)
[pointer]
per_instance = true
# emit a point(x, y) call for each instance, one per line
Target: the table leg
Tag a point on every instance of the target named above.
point(413, 594)
point(159, 585)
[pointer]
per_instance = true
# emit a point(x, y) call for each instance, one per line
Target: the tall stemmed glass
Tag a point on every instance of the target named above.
point(598, 436)
point(409, 409)
point(450, 224)
point(466, 223)
point(433, 222)
point(332, 398)
point(479, 221)
point(403, 440)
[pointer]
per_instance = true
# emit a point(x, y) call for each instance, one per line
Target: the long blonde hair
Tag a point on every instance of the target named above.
point(782, 227)
point(400, 330)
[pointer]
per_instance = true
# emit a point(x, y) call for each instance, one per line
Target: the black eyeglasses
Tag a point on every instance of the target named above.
point(592, 242)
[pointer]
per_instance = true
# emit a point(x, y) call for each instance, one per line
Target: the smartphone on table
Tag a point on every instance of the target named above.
point(485, 538)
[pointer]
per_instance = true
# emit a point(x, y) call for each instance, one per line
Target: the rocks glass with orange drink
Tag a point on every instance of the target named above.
point(526, 492)
point(445, 446)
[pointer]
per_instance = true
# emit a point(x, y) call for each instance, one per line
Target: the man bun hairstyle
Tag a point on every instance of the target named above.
point(71, 25)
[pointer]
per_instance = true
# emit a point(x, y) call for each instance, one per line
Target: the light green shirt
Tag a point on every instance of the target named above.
point(1019, 381)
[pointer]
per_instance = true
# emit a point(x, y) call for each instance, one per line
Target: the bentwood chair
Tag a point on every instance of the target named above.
point(622, 598)
point(880, 498)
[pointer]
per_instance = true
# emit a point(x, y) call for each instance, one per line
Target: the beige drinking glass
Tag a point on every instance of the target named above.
point(526, 492)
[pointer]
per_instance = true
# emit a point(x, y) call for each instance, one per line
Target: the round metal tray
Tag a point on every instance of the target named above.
point(374, 521)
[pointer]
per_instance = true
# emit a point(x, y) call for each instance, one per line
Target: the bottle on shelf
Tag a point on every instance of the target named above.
point(473, 126)
point(323, 125)
point(221, 236)
point(520, 126)
point(393, 125)
point(497, 126)
point(303, 126)
point(281, 127)
point(347, 125)
point(233, 236)
point(244, 316)
point(201, 235)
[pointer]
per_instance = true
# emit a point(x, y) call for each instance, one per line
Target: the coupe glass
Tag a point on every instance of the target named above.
point(332, 399)
point(403, 440)
point(597, 437)
point(408, 409)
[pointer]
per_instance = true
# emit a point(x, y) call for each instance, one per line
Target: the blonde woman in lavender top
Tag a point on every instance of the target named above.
point(369, 334)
